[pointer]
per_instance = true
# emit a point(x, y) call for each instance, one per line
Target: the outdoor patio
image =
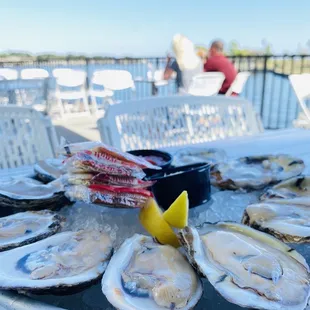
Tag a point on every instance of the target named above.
point(243, 147)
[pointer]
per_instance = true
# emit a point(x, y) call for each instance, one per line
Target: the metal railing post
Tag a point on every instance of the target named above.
point(154, 88)
point(263, 87)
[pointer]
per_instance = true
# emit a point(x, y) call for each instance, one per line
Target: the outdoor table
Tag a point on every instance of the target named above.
point(123, 223)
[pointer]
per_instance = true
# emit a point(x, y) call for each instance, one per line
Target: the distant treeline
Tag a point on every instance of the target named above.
point(24, 56)
point(233, 48)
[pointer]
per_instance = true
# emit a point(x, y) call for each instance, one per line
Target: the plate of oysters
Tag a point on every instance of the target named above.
point(252, 264)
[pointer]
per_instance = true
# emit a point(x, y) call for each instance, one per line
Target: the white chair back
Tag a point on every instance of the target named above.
point(206, 84)
point(66, 79)
point(238, 84)
point(8, 74)
point(34, 73)
point(24, 135)
point(70, 77)
point(158, 77)
point(113, 79)
point(301, 86)
point(61, 71)
point(175, 121)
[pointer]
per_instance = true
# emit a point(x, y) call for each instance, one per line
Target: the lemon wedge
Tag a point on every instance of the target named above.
point(151, 218)
point(177, 214)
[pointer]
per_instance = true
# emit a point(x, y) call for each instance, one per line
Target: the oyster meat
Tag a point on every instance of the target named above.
point(293, 191)
point(27, 227)
point(248, 267)
point(198, 155)
point(255, 172)
point(143, 274)
point(26, 193)
point(49, 169)
point(65, 260)
point(289, 223)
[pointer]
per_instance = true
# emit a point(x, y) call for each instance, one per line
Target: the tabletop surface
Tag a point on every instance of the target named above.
point(225, 205)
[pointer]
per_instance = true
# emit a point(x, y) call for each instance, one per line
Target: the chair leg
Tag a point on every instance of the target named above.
point(94, 107)
point(61, 108)
point(85, 103)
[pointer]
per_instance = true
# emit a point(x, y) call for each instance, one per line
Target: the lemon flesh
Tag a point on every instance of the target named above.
point(151, 218)
point(177, 214)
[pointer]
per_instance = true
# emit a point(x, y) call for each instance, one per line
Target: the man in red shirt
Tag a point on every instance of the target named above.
point(217, 62)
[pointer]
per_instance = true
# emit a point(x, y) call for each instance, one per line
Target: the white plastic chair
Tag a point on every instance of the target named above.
point(70, 86)
point(301, 86)
point(35, 97)
point(176, 120)
point(7, 96)
point(158, 77)
point(206, 84)
point(238, 84)
point(34, 73)
point(8, 74)
point(111, 80)
point(26, 136)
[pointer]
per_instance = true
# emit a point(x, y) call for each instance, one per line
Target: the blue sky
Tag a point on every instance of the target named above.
point(145, 28)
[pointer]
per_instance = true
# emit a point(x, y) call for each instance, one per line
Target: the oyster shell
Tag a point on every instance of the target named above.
point(143, 274)
point(26, 193)
point(255, 172)
point(289, 223)
point(198, 155)
point(293, 191)
point(65, 260)
point(247, 267)
point(27, 227)
point(49, 169)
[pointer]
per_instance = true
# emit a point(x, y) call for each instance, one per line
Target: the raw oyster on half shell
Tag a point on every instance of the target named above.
point(58, 263)
point(26, 193)
point(289, 223)
point(255, 172)
point(143, 274)
point(293, 191)
point(248, 267)
point(198, 155)
point(27, 227)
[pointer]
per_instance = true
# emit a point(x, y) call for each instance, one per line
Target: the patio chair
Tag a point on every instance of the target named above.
point(158, 77)
point(34, 73)
point(176, 120)
point(239, 83)
point(206, 84)
point(26, 137)
point(8, 74)
point(111, 81)
point(301, 86)
point(7, 96)
point(36, 93)
point(70, 86)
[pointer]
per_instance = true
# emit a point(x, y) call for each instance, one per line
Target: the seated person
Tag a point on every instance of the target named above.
point(217, 62)
point(186, 65)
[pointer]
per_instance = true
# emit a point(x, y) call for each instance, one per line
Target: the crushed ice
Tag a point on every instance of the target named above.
point(118, 223)
point(224, 206)
point(121, 224)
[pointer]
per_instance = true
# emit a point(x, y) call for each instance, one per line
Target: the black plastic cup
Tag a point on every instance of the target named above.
point(195, 179)
point(163, 155)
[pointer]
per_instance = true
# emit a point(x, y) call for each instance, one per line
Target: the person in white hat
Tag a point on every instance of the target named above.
point(186, 63)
